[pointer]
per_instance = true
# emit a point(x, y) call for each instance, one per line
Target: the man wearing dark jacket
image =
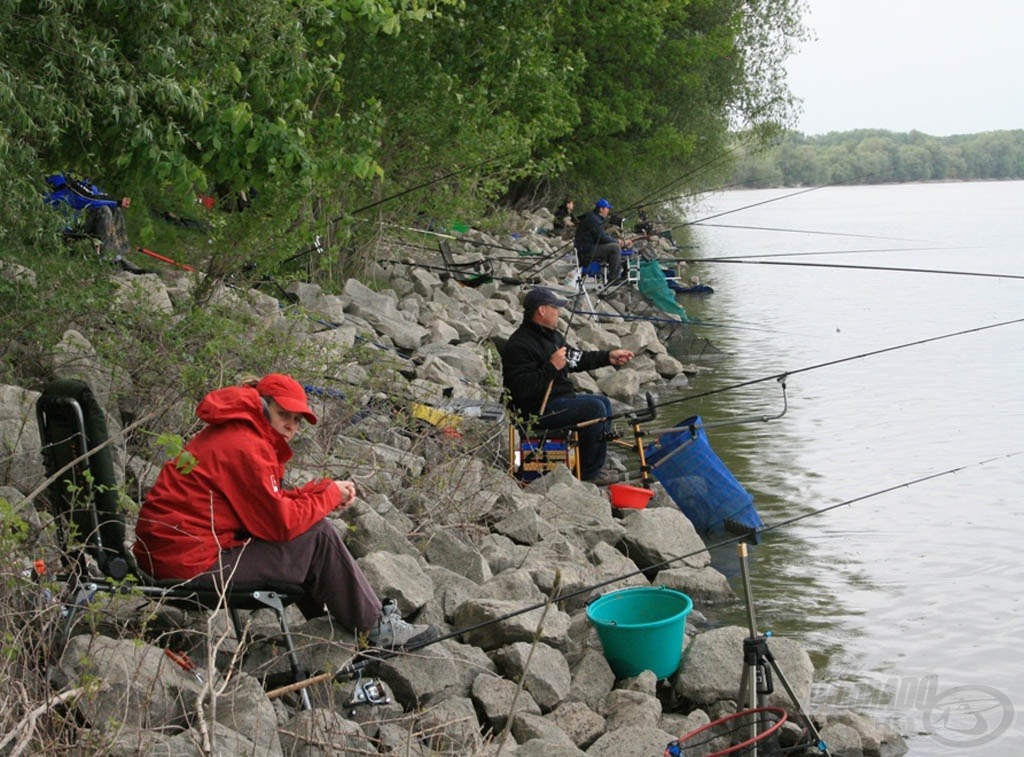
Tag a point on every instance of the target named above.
point(536, 364)
point(593, 242)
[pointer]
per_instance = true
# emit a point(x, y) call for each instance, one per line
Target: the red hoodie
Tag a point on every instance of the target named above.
point(234, 491)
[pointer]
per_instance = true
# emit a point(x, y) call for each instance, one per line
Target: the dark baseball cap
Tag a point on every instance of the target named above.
point(602, 203)
point(542, 296)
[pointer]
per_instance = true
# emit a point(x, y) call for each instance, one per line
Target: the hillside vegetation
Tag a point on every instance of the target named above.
point(334, 113)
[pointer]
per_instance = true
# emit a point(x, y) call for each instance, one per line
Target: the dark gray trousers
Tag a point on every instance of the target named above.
point(318, 561)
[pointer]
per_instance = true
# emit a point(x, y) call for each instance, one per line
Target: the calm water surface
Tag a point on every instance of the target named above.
point(909, 601)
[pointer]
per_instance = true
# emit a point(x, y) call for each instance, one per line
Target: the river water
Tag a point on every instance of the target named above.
point(909, 600)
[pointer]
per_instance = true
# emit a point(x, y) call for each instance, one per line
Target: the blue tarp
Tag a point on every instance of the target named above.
point(77, 194)
point(699, 482)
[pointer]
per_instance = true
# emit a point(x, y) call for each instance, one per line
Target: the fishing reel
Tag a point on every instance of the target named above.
point(370, 692)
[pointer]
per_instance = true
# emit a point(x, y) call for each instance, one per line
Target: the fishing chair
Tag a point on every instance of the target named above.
point(587, 277)
point(534, 452)
point(471, 274)
point(87, 507)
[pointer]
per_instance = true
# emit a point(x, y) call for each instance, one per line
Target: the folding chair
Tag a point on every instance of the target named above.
point(86, 504)
point(631, 259)
point(588, 277)
point(471, 274)
point(532, 453)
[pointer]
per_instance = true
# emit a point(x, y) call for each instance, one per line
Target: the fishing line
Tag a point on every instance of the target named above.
point(422, 185)
point(809, 231)
point(872, 353)
point(357, 666)
point(774, 199)
point(849, 266)
point(810, 253)
point(442, 235)
point(886, 490)
point(650, 196)
point(673, 322)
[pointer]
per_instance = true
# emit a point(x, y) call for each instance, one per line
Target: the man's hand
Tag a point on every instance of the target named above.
point(619, 357)
point(348, 492)
point(558, 358)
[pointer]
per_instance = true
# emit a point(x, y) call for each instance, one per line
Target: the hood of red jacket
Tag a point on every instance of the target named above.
point(242, 404)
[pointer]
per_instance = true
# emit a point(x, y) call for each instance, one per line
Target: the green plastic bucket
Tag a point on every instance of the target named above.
point(641, 628)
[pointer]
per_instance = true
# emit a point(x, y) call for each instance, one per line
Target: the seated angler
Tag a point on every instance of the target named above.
point(227, 517)
point(593, 242)
point(536, 363)
point(564, 223)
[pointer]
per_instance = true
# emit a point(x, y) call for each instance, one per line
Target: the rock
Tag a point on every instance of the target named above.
point(579, 722)
point(592, 679)
point(443, 670)
point(495, 696)
point(703, 585)
point(712, 668)
point(132, 684)
point(398, 577)
point(450, 727)
point(19, 438)
point(842, 739)
point(320, 733)
point(494, 623)
point(441, 547)
point(630, 740)
point(654, 536)
point(527, 727)
point(543, 671)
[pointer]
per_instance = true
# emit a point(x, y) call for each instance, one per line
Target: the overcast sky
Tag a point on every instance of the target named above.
point(938, 66)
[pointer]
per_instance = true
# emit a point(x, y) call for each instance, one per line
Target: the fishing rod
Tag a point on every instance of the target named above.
point(165, 259)
point(354, 668)
point(829, 363)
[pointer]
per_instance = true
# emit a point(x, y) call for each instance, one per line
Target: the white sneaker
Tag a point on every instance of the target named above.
point(392, 632)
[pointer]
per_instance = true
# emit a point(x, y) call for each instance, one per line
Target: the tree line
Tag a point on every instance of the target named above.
point(875, 156)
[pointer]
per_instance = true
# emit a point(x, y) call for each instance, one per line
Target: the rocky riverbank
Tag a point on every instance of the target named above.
point(440, 526)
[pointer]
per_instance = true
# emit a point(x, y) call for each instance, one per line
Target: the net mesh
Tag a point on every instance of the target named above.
point(699, 482)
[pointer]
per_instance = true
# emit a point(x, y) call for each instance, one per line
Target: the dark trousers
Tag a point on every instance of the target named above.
point(610, 254)
point(568, 410)
point(317, 560)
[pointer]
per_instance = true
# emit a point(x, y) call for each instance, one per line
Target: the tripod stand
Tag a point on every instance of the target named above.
point(758, 665)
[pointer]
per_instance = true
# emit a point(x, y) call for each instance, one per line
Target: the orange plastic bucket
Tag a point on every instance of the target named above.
point(633, 497)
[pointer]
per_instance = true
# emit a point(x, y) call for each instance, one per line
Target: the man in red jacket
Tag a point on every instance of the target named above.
point(221, 512)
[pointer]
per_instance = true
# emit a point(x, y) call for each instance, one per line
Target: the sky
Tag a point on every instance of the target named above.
point(937, 66)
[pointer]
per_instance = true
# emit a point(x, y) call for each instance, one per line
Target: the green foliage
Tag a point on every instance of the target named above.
point(321, 108)
point(173, 446)
point(874, 156)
